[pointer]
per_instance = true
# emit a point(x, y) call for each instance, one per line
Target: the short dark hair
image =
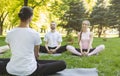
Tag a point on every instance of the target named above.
point(25, 13)
point(53, 22)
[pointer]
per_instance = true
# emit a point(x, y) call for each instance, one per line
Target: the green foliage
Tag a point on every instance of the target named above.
point(98, 15)
point(74, 16)
point(115, 10)
point(67, 13)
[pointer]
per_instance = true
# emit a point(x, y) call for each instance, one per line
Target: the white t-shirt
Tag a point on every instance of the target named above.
point(53, 38)
point(22, 42)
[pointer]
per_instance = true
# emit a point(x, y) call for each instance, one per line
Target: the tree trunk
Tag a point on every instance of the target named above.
point(0, 29)
point(2, 18)
point(92, 28)
point(25, 2)
point(104, 33)
point(99, 30)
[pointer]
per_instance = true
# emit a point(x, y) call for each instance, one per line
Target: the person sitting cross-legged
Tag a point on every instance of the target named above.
point(24, 44)
point(85, 40)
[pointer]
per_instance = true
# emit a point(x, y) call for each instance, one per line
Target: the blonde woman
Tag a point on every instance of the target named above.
point(85, 40)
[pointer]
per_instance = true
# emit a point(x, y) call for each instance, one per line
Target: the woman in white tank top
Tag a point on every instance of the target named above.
point(85, 40)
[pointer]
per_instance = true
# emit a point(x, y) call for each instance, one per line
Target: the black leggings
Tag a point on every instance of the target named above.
point(60, 50)
point(44, 67)
point(85, 50)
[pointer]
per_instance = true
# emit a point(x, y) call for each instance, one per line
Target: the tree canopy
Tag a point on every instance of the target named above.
point(67, 13)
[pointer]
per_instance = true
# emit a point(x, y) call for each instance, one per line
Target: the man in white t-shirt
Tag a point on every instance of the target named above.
point(53, 41)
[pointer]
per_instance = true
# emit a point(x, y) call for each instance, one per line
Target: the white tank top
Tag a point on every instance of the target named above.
point(85, 40)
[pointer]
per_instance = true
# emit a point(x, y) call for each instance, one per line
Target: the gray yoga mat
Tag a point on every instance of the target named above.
point(78, 72)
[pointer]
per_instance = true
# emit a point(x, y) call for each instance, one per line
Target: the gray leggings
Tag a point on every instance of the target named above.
point(44, 67)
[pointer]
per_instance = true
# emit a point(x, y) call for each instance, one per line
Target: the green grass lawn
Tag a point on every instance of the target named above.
point(107, 62)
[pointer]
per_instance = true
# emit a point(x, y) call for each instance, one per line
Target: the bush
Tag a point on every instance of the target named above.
point(70, 39)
